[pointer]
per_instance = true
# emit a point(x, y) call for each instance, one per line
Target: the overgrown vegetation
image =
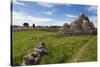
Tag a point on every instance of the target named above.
point(60, 48)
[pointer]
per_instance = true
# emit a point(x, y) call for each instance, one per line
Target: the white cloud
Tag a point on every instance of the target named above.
point(48, 13)
point(61, 22)
point(17, 3)
point(49, 5)
point(70, 16)
point(92, 9)
point(51, 12)
point(58, 23)
point(19, 18)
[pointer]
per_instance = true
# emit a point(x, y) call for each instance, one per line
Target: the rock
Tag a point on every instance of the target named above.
point(41, 48)
point(34, 57)
point(31, 58)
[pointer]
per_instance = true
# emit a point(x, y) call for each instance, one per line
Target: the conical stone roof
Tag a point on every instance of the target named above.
point(87, 26)
point(81, 25)
point(75, 27)
point(65, 27)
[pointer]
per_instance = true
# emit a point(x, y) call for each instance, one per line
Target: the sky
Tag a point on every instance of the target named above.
point(47, 14)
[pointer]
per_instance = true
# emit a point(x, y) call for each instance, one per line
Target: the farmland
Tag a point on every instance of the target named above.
point(61, 49)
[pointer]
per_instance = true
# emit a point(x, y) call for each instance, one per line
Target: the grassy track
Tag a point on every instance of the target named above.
point(83, 50)
point(60, 49)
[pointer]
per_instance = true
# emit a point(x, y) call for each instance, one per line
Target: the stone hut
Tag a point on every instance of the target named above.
point(82, 25)
point(75, 28)
point(87, 27)
point(64, 29)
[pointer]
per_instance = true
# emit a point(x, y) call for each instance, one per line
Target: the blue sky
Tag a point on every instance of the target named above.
point(46, 14)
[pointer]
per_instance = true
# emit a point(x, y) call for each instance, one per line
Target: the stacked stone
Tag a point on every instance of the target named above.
point(64, 29)
point(81, 25)
point(34, 57)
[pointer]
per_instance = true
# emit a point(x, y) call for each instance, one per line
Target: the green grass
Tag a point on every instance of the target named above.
point(60, 49)
point(90, 53)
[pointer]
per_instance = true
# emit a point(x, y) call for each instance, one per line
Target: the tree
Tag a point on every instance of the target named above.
point(33, 25)
point(26, 25)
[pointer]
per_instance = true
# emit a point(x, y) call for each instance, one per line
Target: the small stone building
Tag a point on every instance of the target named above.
point(82, 25)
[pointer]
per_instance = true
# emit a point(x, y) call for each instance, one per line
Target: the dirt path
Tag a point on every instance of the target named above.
point(76, 56)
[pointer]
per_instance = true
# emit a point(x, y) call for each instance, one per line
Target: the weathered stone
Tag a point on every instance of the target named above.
point(82, 25)
point(31, 58)
point(41, 48)
point(64, 29)
point(87, 27)
point(34, 57)
point(75, 28)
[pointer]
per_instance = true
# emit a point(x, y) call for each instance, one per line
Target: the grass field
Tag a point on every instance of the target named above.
point(61, 49)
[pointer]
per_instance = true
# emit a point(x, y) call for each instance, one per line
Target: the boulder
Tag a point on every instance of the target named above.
point(31, 58)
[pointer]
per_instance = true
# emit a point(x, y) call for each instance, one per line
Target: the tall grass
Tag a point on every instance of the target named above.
point(60, 49)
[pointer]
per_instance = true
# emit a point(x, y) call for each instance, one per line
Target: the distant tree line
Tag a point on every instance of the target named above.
point(52, 27)
point(27, 25)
